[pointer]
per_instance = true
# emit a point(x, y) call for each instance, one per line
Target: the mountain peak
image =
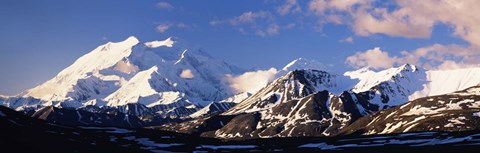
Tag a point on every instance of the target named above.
point(303, 63)
point(369, 78)
point(409, 68)
point(132, 39)
point(293, 85)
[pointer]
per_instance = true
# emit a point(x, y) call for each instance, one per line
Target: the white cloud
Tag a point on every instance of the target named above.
point(251, 81)
point(272, 29)
point(409, 18)
point(450, 65)
point(436, 56)
point(290, 6)
point(216, 22)
point(393, 24)
point(261, 23)
point(251, 17)
point(347, 40)
point(186, 74)
point(374, 58)
point(463, 16)
point(164, 5)
point(333, 7)
point(163, 27)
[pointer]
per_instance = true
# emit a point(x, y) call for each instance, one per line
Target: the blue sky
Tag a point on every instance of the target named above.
point(40, 38)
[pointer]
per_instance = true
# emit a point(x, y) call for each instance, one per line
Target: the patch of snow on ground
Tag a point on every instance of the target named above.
point(108, 129)
point(457, 120)
point(475, 91)
point(457, 104)
point(414, 123)
point(318, 145)
point(444, 141)
point(419, 110)
point(476, 114)
point(449, 125)
point(227, 147)
point(391, 127)
point(147, 142)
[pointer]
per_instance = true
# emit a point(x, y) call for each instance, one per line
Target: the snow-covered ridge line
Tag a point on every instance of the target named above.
point(415, 82)
point(369, 78)
point(157, 43)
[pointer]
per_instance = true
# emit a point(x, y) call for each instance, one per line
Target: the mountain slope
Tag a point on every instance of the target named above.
point(297, 104)
point(395, 86)
point(83, 79)
point(301, 64)
point(295, 84)
point(160, 75)
point(166, 79)
point(70, 117)
point(301, 104)
point(459, 111)
point(389, 87)
point(441, 82)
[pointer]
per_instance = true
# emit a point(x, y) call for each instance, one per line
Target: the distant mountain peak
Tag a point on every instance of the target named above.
point(410, 68)
point(303, 63)
point(125, 72)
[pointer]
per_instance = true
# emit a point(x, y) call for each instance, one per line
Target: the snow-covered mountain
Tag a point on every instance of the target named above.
point(157, 74)
point(395, 86)
point(390, 87)
point(160, 80)
point(296, 84)
point(458, 111)
point(86, 78)
point(310, 102)
point(297, 104)
point(301, 64)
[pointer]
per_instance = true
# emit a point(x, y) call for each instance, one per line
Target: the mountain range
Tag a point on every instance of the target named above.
point(165, 85)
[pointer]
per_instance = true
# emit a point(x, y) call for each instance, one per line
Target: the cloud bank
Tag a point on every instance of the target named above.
point(436, 56)
point(251, 81)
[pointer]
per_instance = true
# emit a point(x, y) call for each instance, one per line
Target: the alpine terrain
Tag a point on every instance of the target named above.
point(166, 86)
